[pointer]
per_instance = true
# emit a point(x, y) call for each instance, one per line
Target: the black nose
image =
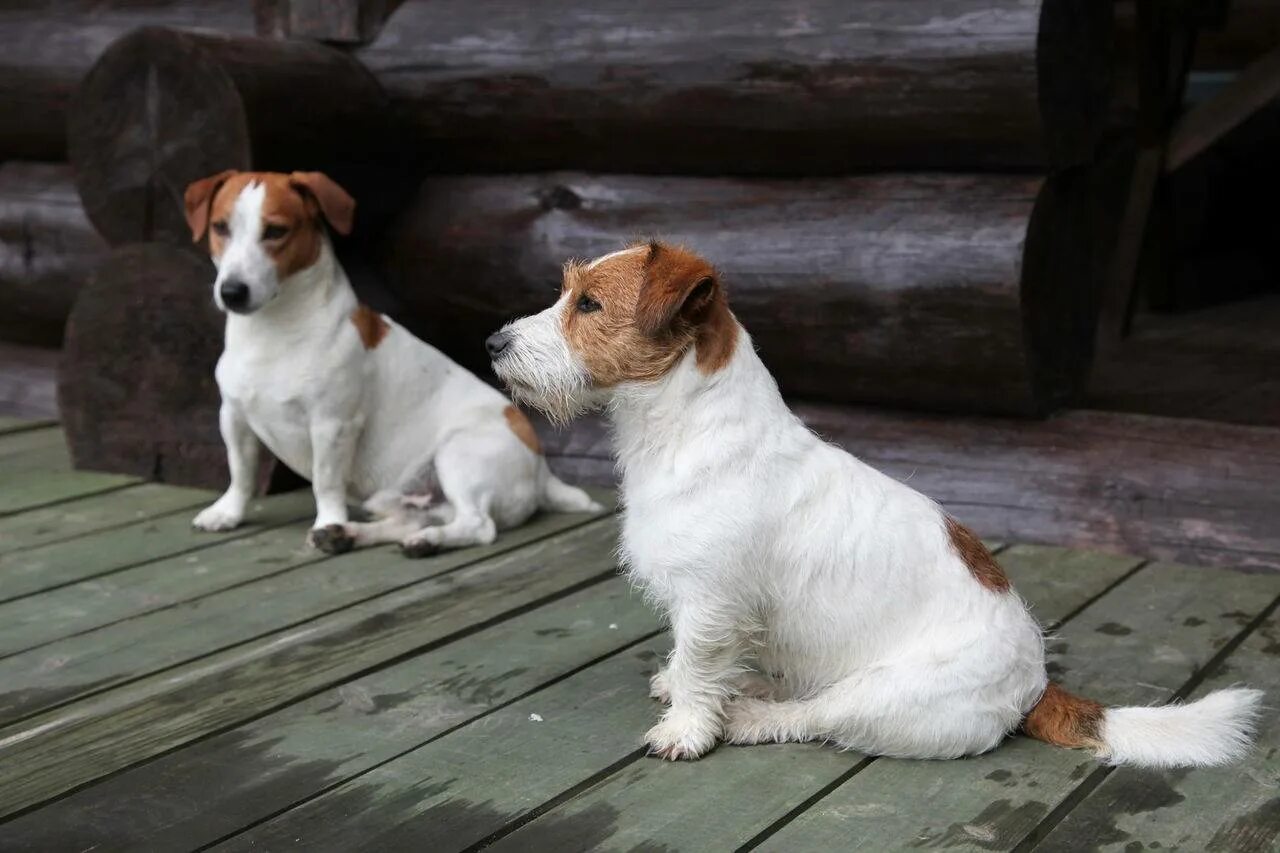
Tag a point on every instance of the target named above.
point(497, 343)
point(235, 294)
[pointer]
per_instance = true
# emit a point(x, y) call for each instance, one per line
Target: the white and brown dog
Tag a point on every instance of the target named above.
point(810, 596)
point(345, 396)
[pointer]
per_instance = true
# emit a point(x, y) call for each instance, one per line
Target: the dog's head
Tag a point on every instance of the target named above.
point(628, 317)
point(264, 227)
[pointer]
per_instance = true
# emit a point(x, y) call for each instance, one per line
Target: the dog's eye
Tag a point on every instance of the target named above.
point(221, 228)
point(274, 232)
point(586, 304)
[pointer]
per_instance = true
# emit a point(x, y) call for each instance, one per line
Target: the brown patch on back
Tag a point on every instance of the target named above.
point(975, 555)
point(1063, 719)
point(524, 431)
point(656, 301)
point(371, 325)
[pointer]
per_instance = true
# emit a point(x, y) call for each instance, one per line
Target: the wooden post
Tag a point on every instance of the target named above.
point(337, 21)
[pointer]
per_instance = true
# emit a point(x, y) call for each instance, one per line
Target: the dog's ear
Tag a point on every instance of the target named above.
point(678, 287)
point(197, 199)
point(337, 206)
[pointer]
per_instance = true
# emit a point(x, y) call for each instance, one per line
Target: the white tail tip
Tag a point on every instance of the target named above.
point(1217, 729)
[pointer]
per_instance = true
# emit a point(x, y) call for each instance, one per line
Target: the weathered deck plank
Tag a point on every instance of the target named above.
point(9, 424)
point(1140, 643)
point(47, 754)
point(95, 514)
point(1217, 809)
point(472, 806)
point(146, 558)
point(35, 471)
point(211, 789)
point(668, 804)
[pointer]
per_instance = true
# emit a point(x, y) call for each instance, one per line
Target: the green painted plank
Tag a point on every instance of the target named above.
point(83, 516)
point(1138, 644)
point(728, 797)
point(294, 584)
point(35, 620)
point(215, 787)
point(169, 537)
point(453, 792)
point(8, 424)
point(42, 486)
point(62, 749)
point(1217, 808)
point(44, 446)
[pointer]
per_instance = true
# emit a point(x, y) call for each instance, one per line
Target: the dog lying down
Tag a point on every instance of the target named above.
point(345, 396)
point(810, 596)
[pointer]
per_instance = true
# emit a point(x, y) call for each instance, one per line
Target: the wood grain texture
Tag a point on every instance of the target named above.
point(1215, 809)
point(1139, 644)
point(809, 87)
point(86, 516)
point(35, 472)
point(45, 755)
point(62, 561)
point(50, 46)
point(584, 735)
point(949, 292)
point(217, 786)
point(47, 251)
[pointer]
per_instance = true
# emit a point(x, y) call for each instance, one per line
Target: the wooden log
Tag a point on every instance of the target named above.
point(967, 293)
point(808, 87)
point(162, 108)
point(337, 21)
point(47, 250)
point(48, 48)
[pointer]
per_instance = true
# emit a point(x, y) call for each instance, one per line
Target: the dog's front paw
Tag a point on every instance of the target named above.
point(217, 518)
point(420, 545)
point(658, 688)
point(681, 736)
point(331, 539)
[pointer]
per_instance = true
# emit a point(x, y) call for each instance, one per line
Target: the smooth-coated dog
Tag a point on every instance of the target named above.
point(345, 396)
point(810, 596)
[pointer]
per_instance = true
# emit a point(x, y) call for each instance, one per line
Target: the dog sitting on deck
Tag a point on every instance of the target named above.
point(810, 596)
point(345, 396)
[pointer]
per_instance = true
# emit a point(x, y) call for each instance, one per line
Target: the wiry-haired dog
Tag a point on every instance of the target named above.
point(810, 596)
point(343, 395)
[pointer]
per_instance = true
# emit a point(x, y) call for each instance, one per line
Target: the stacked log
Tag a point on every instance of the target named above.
point(948, 292)
point(48, 48)
point(755, 87)
point(961, 277)
point(47, 251)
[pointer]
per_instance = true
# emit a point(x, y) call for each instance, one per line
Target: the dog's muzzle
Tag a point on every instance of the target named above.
point(497, 343)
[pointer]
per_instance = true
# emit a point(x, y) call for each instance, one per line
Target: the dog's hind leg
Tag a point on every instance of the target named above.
point(463, 517)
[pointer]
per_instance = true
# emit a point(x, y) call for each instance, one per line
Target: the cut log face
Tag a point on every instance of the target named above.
point(48, 250)
point(49, 47)
point(136, 386)
point(965, 293)
point(163, 108)
point(809, 87)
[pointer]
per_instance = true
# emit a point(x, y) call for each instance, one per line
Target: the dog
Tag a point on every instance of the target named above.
point(810, 596)
point(345, 396)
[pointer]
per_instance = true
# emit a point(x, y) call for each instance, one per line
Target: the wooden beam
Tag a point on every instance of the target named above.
point(338, 21)
point(1208, 122)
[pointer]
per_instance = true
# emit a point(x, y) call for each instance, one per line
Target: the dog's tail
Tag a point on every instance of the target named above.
point(558, 496)
point(1217, 729)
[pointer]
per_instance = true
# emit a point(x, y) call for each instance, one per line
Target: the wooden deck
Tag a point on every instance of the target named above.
point(167, 690)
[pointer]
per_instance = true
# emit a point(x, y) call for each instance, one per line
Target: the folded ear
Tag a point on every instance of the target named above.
point(678, 287)
point(198, 197)
point(337, 206)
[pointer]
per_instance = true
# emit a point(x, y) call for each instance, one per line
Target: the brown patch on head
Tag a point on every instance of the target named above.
point(294, 209)
point(655, 301)
point(975, 555)
point(1063, 719)
point(524, 431)
point(371, 325)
